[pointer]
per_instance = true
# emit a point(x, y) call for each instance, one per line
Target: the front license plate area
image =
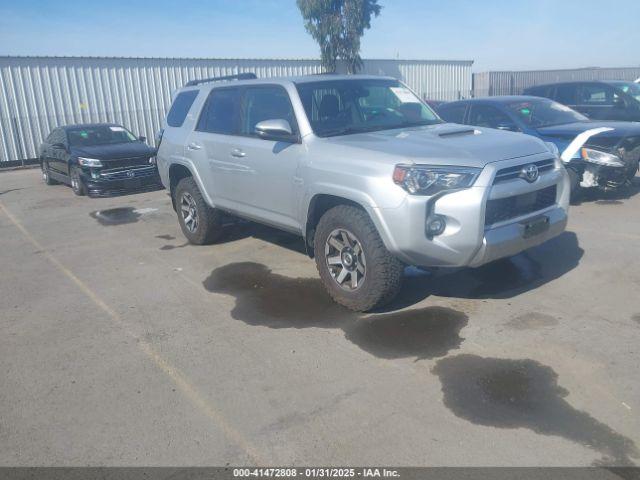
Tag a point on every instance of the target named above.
point(536, 227)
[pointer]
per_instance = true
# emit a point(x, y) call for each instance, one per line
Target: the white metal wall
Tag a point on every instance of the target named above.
point(38, 94)
point(513, 83)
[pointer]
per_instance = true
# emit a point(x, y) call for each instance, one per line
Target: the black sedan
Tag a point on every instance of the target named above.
point(100, 160)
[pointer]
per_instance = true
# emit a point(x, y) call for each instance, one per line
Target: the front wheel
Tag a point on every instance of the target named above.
point(574, 182)
point(46, 176)
point(77, 185)
point(200, 223)
point(354, 265)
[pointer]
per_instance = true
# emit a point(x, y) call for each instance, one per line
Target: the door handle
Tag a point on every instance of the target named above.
point(194, 146)
point(236, 152)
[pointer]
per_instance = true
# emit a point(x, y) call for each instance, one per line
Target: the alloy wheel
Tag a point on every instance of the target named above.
point(345, 259)
point(189, 212)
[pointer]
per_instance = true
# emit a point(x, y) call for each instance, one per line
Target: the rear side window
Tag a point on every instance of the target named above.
point(453, 113)
point(566, 94)
point(488, 116)
point(221, 112)
point(180, 108)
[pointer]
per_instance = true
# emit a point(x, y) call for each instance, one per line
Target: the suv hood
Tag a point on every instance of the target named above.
point(444, 144)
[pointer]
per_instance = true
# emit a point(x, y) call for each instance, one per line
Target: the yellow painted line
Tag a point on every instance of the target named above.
point(177, 377)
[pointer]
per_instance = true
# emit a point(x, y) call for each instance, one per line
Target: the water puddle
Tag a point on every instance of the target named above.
point(504, 393)
point(275, 301)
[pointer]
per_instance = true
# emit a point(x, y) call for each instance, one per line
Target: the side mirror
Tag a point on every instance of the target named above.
point(278, 130)
point(142, 139)
point(59, 146)
point(509, 127)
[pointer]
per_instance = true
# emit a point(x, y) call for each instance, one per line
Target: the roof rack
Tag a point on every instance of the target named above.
point(239, 76)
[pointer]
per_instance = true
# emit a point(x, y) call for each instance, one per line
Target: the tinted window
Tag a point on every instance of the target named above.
point(453, 113)
point(343, 107)
point(99, 135)
point(596, 95)
point(221, 112)
point(180, 108)
point(543, 113)
point(266, 103)
point(566, 94)
point(57, 136)
point(488, 116)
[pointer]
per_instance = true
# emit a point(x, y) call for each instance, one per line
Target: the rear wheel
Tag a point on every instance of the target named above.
point(354, 265)
point(46, 177)
point(200, 223)
point(77, 185)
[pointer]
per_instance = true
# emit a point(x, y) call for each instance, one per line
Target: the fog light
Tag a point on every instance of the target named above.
point(435, 225)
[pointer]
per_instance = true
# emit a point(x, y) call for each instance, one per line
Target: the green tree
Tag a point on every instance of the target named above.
point(337, 26)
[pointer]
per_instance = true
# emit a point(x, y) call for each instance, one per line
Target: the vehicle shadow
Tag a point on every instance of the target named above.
point(237, 229)
point(505, 278)
point(512, 276)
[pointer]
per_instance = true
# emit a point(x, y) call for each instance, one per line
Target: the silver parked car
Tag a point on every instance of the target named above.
point(362, 169)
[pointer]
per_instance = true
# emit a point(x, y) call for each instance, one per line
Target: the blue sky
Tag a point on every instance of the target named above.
point(498, 34)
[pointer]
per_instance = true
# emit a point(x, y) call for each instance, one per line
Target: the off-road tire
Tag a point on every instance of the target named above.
point(46, 176)
point(383, 278)
point(209, 227)
point(79, 188)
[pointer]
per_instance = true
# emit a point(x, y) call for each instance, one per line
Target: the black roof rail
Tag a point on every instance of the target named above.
point(239, 76)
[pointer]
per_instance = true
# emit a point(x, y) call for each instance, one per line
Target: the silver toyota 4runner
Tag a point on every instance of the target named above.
point(363, 170)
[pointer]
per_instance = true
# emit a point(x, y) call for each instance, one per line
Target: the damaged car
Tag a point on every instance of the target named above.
point(99, 160)
point(363, 170)
point(601, 155)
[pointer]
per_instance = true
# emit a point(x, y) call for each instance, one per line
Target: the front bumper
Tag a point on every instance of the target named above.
point(121, 181)
point(468, 240)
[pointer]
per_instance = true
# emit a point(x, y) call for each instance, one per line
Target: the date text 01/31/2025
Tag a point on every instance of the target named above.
point(315, 472)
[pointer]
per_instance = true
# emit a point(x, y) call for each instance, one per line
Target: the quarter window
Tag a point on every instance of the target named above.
point(221, 112)
point(180, 108)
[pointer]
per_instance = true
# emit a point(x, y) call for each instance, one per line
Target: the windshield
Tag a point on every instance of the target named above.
point(632, 89)
point(99, 135)
point(545, 113)
point(343, 107)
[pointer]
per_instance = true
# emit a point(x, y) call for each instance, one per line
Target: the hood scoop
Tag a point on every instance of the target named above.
point(458, 133)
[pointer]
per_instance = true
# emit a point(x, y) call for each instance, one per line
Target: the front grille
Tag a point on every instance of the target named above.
point(126, 162)
point(502, 209)
point(124, 174)
point(509, 173)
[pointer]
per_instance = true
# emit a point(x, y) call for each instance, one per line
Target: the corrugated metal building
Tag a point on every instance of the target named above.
point(38, 94)
point(512, 83)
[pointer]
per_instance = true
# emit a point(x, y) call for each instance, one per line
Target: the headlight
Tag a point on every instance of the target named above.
point(423, 180)
point(601, 158)
point(89, 162)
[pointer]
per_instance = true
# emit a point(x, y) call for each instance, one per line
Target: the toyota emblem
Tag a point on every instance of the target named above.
point(530, 173)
